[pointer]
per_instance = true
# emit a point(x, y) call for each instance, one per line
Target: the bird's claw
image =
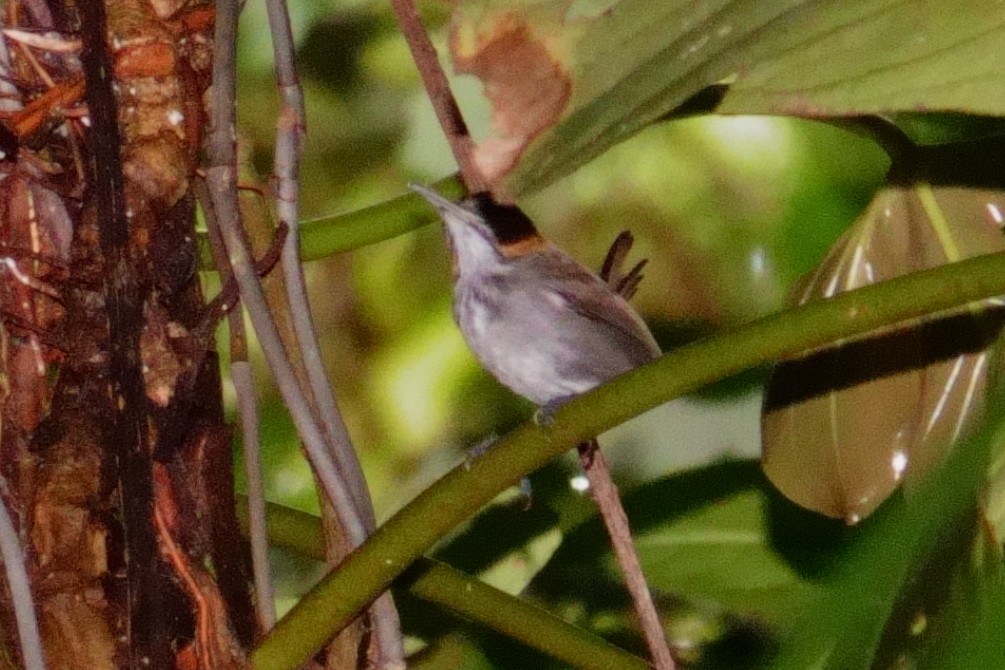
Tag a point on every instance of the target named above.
point(545, 414)
point(479, 450)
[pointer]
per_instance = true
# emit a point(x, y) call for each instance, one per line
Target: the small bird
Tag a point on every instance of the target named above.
point(540, 322)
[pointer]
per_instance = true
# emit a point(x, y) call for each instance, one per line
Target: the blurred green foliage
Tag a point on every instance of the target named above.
point(719, 206)
point(730, 212)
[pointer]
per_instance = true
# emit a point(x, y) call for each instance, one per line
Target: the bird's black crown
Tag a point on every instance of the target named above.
point(507, 222)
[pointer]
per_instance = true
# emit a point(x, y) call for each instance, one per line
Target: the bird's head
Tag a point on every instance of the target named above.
point(483, 233)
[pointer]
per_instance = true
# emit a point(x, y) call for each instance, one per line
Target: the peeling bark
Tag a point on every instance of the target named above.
point(113, 435)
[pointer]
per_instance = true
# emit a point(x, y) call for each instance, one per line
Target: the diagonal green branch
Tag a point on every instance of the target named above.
point(536, 627)
point(458, 495)
point(438, 583)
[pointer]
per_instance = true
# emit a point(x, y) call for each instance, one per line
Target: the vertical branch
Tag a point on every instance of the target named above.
point(20, 588)
point(438, 89)
point(247, 407)
point(247, 404)
point(289, 144)
point(605, 492)
point(221, 177)
point(605, 495)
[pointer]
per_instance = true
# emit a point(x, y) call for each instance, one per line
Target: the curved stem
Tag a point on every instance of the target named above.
point(329, 235)
point(438, 583)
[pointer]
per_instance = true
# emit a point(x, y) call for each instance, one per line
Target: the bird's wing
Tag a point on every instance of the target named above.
point(594, 300)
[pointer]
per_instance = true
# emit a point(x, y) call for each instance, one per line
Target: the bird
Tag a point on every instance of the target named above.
point(540, 322)
point(550, 330)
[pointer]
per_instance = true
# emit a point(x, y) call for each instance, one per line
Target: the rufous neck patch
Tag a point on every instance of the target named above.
point(523, 246)
point(507, 222)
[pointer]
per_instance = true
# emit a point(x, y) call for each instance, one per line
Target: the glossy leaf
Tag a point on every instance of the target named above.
point(844, 427)
point(858, 618)
point(567, 80)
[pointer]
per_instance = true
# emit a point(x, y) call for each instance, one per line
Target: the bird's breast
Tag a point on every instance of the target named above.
point(534, 343)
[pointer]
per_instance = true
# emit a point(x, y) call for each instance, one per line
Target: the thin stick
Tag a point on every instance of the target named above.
point(286, 169)
point(20, 589)
point(221, 177)
point(438, 90)
point(247, 404)
point(605, 495)
point(247, 407)
point(387, 643)
point(605, 492)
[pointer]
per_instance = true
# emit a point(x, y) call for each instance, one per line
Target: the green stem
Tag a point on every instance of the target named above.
point(537, 628)
point(439, 583)
point(341, 595)
point(330, 235)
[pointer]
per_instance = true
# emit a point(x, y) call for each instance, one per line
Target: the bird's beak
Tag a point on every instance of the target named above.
point(443, 205)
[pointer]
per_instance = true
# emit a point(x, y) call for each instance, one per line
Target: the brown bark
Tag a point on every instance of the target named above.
point(113, 435)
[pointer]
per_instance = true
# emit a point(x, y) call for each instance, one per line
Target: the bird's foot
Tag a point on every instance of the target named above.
point(479, 450)
point(545, 414)
point(482, 448)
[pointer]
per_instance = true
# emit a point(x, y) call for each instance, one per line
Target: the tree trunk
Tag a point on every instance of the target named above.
point(114, 443)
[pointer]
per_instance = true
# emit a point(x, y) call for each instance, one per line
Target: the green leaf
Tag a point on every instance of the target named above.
point(845, 627)
point(723, 553)
point(438, 583)
point(874, 56)
point(567, 81)
point(844, 427)
point(977, 641)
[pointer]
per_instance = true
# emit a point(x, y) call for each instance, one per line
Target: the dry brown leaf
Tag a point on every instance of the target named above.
point(524, 82)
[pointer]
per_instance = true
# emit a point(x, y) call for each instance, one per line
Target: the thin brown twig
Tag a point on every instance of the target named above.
point(605, 492)
point(238, 338)
point(438, 89)
point(242, 377)
point(226, 299)
point(605, 495)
